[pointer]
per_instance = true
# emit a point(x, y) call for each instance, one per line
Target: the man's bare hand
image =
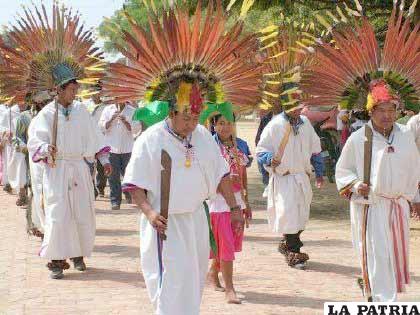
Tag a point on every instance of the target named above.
point(52, 149)
point(274, 163)
point(157, 221)
point(363, 190)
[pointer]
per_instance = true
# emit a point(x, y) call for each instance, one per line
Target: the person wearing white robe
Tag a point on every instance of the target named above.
point(394, 179)
point(175, 280)
point(289, 189)
point(16, 168)
point(67, 186)
point(3, 159)
point(414, 126)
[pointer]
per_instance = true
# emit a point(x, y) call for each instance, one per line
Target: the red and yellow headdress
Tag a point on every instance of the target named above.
point(344, 71)
point(38, 45)
point(187, 61)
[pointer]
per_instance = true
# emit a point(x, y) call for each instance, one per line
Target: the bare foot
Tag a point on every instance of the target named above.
point(231, 297)
point(213, 279)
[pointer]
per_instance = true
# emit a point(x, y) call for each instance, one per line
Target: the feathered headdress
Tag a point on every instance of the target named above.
point(344, 71)
point(289, 51)
point(187, 61)
point(36, 48)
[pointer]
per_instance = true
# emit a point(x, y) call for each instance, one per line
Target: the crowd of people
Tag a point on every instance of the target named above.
point(178, 159)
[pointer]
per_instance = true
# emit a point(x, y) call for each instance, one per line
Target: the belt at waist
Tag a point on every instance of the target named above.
point(69, 157)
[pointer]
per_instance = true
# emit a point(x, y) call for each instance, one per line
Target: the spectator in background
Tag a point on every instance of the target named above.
point(118, 126)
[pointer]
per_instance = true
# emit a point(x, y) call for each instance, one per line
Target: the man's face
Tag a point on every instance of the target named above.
point(384, 115)
point(184, 123)
point(68, 94)
point(295, 113)
point(22, 106)
point(96, 98)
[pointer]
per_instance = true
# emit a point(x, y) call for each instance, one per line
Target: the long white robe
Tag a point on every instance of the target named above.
point(394, 178)
point(3, 157)
point(289, 196)
point(37, 172)
point(176, 288)
point(16, 168)
point(414, 126)
point(67, 188)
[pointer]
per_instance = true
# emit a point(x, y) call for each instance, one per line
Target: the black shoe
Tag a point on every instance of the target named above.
point(56, 273)
point(7, 188)
point(79, 264)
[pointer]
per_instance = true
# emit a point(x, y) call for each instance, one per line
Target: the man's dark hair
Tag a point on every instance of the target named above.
point(65, 85)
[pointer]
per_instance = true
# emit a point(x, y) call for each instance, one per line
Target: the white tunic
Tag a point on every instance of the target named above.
point(16, 168)
point(289, 196)
point(117, 136)
point(67, 188)
point(3, 153)
point(414, 125)
point(394, 179)
point(176, 289)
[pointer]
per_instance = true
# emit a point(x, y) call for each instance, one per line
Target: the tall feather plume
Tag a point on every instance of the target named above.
point(178, 46)
point(343, 70)
point(35, 44)
point(288, 48)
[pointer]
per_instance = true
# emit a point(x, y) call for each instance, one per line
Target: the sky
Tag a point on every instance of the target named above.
point(92, 11)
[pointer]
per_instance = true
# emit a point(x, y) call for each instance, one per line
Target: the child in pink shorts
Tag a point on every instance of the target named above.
point(228, 241)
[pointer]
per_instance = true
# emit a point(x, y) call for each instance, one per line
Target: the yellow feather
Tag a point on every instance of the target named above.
point(270, 94)
point(343, 17)
point(246, 5)
point(323, 21)
point(269, 29)
point(231, 3)
point(264, 38)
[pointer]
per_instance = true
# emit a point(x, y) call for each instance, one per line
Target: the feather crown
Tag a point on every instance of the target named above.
point(187, 60)
point(38, 44)
point(343, 72)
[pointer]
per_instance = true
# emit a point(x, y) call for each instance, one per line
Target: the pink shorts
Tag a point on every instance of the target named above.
point(227, 242)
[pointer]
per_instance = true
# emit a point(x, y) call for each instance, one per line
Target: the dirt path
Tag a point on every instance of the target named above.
point(113, 283)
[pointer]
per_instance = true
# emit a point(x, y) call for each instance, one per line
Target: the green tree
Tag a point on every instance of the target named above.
point(263, 13)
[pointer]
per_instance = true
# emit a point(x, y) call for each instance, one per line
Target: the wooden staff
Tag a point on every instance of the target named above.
point(366, 180)
point(280, 151)
point(165, 185)
point(54, 134)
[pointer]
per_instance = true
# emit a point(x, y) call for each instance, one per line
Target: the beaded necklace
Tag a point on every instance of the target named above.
point(186, 142)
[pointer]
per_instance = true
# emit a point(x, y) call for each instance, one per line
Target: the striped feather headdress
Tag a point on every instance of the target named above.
point(187, 61)
point(37, 44)
point(344, 71)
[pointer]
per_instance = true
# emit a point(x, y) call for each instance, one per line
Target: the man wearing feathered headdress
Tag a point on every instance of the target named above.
point(377, 167)
point(56, 58)
point(286, 148)
point(182, 67)
point(64, 137)
point(393, 181)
